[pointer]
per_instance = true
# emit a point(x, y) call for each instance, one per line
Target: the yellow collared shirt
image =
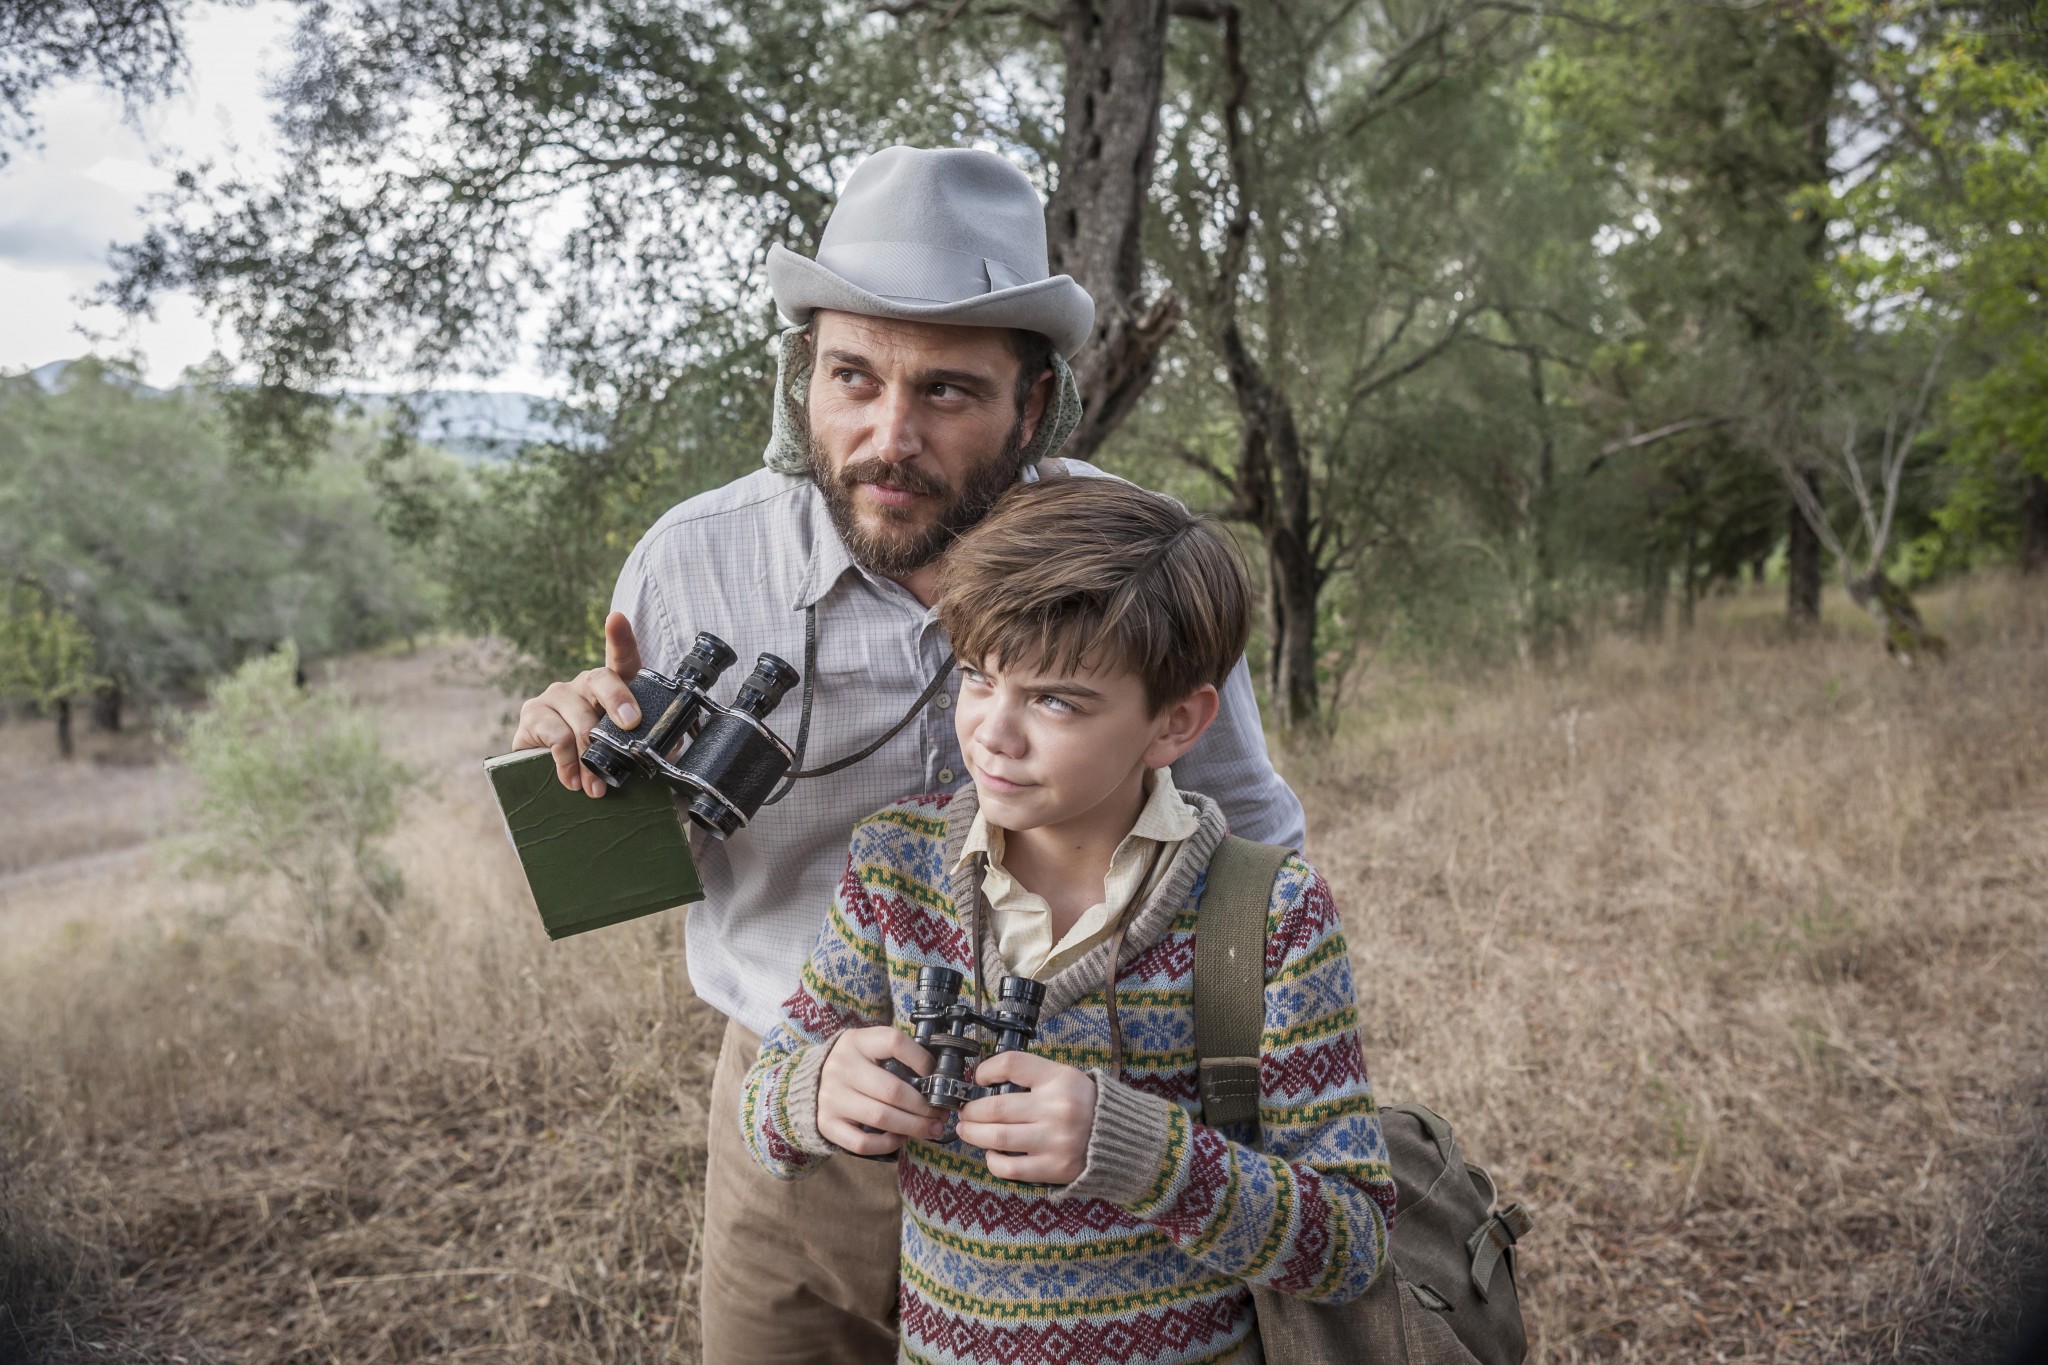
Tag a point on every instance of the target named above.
point(1022, 918)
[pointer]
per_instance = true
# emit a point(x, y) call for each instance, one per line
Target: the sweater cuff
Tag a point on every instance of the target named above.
point(1126, 1144)
point(800, 1100)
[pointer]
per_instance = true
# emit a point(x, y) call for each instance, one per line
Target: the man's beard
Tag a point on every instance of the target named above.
point(899, 546)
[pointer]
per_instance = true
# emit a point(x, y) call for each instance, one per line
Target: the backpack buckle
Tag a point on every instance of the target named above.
point(1490, 1241)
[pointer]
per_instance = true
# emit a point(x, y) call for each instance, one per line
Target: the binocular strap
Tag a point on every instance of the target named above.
point(803, 725)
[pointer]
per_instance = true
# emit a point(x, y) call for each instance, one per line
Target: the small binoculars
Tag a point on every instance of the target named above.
point(942, 1022)
point(733, 761)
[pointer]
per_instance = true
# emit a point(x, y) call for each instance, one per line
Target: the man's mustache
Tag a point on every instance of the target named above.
point(901, 477)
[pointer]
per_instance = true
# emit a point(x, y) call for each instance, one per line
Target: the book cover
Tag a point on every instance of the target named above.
point(591, 863)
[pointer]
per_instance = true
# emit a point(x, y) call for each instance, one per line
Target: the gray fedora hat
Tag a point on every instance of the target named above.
point(936, 235)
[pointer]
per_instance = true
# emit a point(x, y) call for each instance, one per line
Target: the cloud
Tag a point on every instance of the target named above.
point(53, 216)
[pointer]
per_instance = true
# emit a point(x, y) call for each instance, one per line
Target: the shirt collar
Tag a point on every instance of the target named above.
point(1165, 817)
point(829, 558)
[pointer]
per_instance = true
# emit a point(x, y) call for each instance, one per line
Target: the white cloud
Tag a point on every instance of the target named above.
point(63, 206)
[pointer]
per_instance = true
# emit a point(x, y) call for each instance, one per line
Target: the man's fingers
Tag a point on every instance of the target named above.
point(608, 690)
point(621, 650)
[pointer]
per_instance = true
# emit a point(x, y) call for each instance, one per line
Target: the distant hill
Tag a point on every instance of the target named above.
point(467, 422)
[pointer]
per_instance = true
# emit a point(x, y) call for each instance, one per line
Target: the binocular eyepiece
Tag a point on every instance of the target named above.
point(733, 760)
point(943, 1022)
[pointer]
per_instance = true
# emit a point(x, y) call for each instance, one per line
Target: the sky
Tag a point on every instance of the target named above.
point(88, 186)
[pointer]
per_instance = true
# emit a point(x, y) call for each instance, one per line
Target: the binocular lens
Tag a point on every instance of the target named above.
point(709, 656)
point(1022, 989)
point(763, 690)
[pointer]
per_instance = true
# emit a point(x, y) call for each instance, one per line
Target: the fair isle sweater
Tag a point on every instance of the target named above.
point(1148, 1256)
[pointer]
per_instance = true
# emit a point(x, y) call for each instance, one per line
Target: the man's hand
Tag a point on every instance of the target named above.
point(854, 1090)
point(1042, 1136)
point(562, 717)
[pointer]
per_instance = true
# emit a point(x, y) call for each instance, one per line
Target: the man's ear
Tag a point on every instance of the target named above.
point(1034, 407)
point(1182, 723)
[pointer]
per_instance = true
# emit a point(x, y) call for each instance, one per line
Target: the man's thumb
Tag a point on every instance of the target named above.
point(621, 651)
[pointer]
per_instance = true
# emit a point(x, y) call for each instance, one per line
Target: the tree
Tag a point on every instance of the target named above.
point(1906, 637)
point(45, 657)
point(1308, 213)
point(175, 558)
point(1950, 235)
point(1718, 129)
point(132, 47)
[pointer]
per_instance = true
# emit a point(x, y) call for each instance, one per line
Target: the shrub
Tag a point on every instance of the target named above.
point(296, 785)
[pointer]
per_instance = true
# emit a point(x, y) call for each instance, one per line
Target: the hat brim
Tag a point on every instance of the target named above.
point(1058, 308)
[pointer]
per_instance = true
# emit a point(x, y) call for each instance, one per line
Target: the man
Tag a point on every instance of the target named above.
point(924, 375)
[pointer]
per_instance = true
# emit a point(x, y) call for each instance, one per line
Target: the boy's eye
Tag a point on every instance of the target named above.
point(1053, 703)
point(972, 675)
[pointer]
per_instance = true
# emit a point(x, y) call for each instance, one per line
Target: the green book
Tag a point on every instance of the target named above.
point(593, 863)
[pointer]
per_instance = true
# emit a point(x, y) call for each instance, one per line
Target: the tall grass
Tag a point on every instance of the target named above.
point(1724, 955)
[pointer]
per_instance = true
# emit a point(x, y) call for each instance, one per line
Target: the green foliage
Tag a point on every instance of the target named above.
point(1494, 317)
point(295, 784)
point(173, 556)
point(1954, 228)
point(45, 657)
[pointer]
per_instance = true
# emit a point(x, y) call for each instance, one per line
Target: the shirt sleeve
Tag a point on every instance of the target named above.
point(845, 985)
point(1230, 765)
point(1305, 1212)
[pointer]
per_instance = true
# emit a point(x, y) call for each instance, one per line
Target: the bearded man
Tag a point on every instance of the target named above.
point(924, 375)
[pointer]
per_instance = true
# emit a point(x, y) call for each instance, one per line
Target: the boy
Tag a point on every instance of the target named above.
point(1089, 1217)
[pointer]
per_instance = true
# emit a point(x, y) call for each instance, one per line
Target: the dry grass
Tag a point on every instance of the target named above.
point(1725, 956)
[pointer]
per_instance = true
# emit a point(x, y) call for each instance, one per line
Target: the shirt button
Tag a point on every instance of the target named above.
point(944, 701)
point(945, 774)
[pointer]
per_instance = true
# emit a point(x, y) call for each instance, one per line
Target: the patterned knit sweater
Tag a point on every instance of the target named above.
point(1148, 1256)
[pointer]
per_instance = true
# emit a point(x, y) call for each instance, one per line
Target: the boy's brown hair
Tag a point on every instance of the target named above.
point(1091, 569)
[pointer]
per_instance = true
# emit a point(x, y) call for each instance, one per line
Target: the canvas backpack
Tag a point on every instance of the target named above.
point(1447, 1294)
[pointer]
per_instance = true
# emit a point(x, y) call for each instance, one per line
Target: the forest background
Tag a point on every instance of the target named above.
point(1513, 338)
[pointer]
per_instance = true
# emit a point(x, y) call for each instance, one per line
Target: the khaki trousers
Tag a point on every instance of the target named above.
point(794, 1271)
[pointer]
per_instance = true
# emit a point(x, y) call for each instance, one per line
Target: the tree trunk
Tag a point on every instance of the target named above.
point(1295, 586)
point(1656, 593)
point(67, 747)
point(1802, 565)
point(1115, 53)
point(1906, 637)
point(106, 708)
point(2034, 526)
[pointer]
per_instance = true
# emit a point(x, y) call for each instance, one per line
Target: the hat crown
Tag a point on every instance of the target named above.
point(952, 199)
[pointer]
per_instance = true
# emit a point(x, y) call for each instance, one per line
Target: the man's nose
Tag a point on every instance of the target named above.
point(898, 436)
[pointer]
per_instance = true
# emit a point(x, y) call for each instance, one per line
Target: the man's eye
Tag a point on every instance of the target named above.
point(944, 391)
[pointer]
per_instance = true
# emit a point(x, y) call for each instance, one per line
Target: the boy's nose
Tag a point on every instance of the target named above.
point(999, 733)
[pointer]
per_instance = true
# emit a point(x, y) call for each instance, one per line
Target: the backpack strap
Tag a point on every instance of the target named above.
point(1230, 976)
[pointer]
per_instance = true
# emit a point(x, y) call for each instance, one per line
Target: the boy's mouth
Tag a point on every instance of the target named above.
point(998, 784)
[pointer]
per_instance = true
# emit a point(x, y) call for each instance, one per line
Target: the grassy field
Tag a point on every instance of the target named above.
point(1726, 955)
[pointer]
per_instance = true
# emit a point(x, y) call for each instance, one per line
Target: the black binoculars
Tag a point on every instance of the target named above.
point(733, 761)
point(942, 1021)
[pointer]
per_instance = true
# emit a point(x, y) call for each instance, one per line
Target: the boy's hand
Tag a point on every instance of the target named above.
point(853, 1090)
point(1042, 1136)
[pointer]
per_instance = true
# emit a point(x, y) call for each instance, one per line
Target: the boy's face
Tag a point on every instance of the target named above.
point(1048, 748)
